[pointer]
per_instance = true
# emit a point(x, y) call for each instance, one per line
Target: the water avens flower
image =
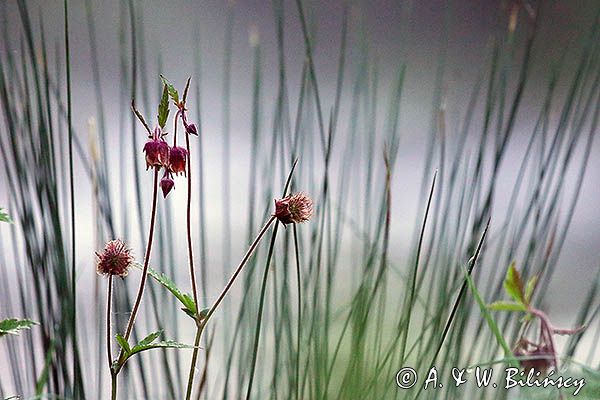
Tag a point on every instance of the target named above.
point(293, 209)
point(166, 184)
point(163, 153)
point(177, 159)
point(151, 150)
point(157, 153)
point(539, 357)
point(115, 259)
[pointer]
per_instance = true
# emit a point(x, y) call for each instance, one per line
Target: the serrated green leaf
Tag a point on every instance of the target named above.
point(4, 217)
point(12, 326)
point(165, 344)
point(188, 312)
point(147, 344)
point(124, 344)
point(189, 304)
point(185, 299)
point(530, 287)
point(506, 306)
point(172, 91)
point(514, 285)
point(163, 108)
point(147, 340)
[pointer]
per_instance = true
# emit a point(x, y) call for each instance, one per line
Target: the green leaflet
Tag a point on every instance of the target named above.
point(163, 108)
point(4, 217)
point(13, 326)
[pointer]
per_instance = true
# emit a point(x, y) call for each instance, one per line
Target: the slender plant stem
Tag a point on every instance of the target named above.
point(239, 269)
point(175, 140)
point(140, 293)
point(299, 330)
point(261, 304)
point(113, 385)
point(190, 384)
point(413, 285)
point(192, 270)
point(76, 388)
point(113, 375)
point(216, 304)
point(189, 225)
point(108, 335)
point(461, 294)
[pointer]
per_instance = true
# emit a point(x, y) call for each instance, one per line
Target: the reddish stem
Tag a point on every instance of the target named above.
point(140, 293)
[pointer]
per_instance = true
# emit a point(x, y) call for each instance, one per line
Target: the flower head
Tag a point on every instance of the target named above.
point(157, 153)
point(294, 208)
point(538, 357)
point(115, 259)
point(166, 183)
point(177, 158)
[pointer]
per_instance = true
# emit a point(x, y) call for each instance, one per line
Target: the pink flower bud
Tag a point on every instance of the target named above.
point(115, 259)
point(294, 208)
point(166, 184)
point(177, 159)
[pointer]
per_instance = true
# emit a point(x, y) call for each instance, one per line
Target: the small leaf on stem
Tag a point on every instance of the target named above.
point(189, 307)
point(163, 108)
point(148, 340)
point(165, 344)
point(123, 343)
point(4, 217)
point(506, 306)
point(171, 89)
point(514, 285)
point(13, 326)
point(529, 289)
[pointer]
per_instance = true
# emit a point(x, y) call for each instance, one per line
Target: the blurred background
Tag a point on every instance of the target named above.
point(499, 97)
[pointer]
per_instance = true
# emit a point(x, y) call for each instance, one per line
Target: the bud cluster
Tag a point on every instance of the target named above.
point(158, 152)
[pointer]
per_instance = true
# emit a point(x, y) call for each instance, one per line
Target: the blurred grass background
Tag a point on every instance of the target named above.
point(507, 122)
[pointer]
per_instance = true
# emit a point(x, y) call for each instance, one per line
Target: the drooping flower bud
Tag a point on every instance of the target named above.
point(294, 208)
point(177, 159)
point(538, 357)
point(166, 184)
point(115, 259)
point(151, 150)
point(157, 153)
point(191, 129)
point(163, 153)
